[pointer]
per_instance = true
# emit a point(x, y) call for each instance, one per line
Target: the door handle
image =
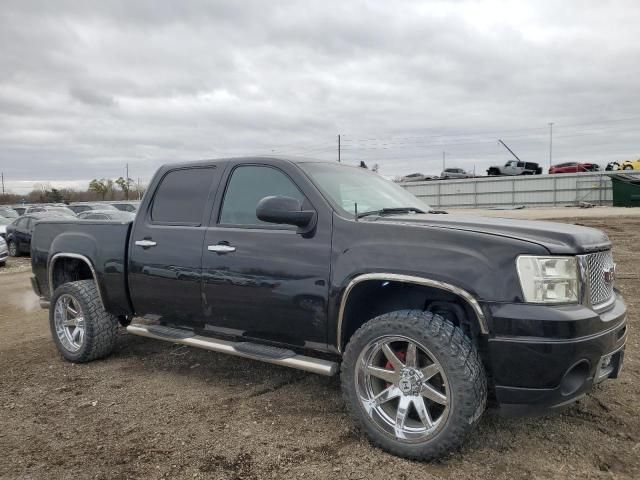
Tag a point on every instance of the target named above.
point(145, 243)
point(221, 248)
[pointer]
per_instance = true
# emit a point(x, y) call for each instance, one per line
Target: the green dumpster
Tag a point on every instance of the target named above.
point(626, 190)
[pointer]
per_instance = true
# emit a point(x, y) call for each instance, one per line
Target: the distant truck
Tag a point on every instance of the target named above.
point(513, 167)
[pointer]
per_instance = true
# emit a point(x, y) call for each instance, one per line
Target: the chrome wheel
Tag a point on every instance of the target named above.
point(403, 388)
point(13, 250)
point(69, 322)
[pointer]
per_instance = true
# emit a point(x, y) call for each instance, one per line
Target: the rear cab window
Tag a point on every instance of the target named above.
point(182, 195)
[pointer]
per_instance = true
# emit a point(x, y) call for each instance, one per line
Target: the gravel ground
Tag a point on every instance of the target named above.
point(16, 265)
point(155, 410)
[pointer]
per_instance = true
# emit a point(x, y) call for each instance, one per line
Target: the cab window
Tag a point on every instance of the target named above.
point(248, 185)
point(181, 197)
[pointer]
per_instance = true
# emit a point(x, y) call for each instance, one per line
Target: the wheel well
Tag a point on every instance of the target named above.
point(372, 298)
point(68, 269)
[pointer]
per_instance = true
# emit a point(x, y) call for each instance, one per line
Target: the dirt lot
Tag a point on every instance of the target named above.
point(154, 410)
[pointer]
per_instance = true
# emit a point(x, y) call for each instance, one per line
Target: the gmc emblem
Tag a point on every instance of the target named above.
point(609, 274)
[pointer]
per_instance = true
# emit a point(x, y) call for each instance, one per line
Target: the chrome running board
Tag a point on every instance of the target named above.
point(254, 351)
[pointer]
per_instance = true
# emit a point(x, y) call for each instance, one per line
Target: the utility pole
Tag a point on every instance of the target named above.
point(338, 148)
point(2, 184)
point(443, 160)
point(550, 143)
point(126, 192)
point(138, 188)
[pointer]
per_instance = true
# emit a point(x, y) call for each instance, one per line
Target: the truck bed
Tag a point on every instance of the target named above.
point(102, 244)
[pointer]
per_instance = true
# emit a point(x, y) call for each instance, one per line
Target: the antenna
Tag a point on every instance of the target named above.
point(510, 151)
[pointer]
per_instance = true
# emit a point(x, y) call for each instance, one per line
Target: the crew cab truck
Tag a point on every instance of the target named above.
point(333, 269)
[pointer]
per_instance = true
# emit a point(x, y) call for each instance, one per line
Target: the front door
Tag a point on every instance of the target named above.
point(262, 280)
point(166, 245)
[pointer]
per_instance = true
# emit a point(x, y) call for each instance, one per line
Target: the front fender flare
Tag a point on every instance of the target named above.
point(427, 282)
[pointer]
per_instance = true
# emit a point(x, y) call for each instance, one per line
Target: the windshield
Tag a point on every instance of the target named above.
point(345, 186)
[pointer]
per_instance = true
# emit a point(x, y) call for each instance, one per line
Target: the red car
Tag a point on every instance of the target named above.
point(574, 167)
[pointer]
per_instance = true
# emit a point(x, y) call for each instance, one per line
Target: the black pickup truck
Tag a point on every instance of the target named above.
point(329, 268)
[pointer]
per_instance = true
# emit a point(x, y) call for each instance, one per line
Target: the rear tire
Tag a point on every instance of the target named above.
point(420, 402)
point(13, 249)
point(628, 167)
point(81, 328)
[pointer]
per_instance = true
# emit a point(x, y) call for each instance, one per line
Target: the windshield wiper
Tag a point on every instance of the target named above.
point(390, 211)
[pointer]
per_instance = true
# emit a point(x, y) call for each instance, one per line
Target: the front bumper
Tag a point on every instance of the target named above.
point(546, 357)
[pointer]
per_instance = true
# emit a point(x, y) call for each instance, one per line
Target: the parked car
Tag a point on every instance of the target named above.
point(4, 221)
point(419, 312)
point(126, 206)
point(417, 177)
point(18, 233)
point(8, 212)
point(513, 167)
point(574, 167)
point(114, 215)
point(83, 207)
point(454, 173)
point(612, 166)
point(60, 210)
point(20, 209)
point(4, 252)
point(630, 165)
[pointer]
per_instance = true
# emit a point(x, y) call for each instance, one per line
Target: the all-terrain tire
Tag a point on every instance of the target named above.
point(458, 357)
point(100, 327)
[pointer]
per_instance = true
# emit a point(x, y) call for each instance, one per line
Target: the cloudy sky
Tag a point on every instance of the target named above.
point(86, 87)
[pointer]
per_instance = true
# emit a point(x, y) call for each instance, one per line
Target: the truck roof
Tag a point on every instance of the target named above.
point(282, 158)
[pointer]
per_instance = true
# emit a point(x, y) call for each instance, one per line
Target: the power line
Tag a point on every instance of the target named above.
point(492, 132)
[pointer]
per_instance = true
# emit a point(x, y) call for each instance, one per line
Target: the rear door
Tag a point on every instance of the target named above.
point(166, 245)
point(262, 280)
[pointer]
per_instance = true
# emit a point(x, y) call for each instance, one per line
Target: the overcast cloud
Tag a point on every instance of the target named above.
point(86, 87)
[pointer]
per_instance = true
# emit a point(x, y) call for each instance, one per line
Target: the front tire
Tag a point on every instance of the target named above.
point(414, 383)
point(81, 328)
point(628, 167)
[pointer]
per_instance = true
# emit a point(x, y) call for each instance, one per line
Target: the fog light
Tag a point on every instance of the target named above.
point(605, 368)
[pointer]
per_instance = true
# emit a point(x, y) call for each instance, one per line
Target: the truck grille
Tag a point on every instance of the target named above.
point(598, 264)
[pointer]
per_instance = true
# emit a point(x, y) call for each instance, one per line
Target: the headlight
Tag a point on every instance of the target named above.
point(548, 279)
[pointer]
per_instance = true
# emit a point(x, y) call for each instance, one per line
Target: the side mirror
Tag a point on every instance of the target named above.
point(286, 211)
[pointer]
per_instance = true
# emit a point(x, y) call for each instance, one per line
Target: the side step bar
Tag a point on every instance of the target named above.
point(277, 356)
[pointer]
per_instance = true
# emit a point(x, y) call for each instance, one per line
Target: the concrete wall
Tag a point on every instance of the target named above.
point(531, 190)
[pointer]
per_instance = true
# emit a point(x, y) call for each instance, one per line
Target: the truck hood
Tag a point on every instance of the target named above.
point(558, 238)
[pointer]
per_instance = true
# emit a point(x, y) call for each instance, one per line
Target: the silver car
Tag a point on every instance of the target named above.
point(4, 252)
point(454, 173)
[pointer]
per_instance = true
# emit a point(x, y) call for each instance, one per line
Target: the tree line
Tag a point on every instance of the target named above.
point(98, 190)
